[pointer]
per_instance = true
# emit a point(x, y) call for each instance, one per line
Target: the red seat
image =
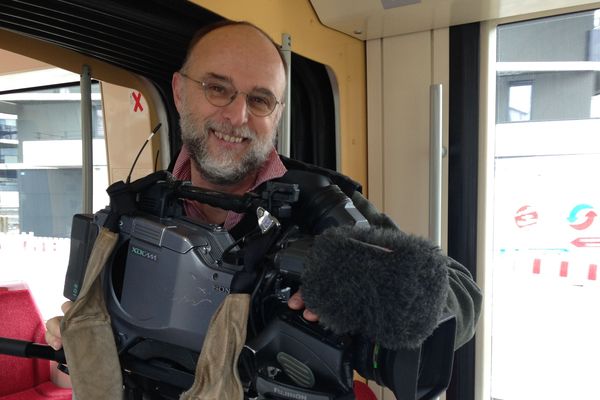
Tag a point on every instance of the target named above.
point(24, 378)
point(362, 391)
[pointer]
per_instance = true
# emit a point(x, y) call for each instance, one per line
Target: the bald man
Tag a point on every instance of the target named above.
point(229, 97)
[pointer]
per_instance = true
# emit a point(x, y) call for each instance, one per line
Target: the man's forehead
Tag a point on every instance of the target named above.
point(240, 53)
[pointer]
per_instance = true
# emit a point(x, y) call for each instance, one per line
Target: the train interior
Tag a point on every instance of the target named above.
point(474, 123)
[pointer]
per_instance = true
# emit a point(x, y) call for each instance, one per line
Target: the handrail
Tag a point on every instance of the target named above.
point(435, 164)
point(284, 138)
point(87, 161)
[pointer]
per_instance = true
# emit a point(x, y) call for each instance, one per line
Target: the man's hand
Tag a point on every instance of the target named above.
point(53, 337)
point(296, 302)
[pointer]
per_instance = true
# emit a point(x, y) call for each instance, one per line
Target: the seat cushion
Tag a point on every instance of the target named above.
point(43, 391)
point(362, 391)
point(24, 378)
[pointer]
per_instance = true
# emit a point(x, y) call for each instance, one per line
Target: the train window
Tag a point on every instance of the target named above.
point(41, 183)
point(43, 157)
point(41, 176)
point(546, 230)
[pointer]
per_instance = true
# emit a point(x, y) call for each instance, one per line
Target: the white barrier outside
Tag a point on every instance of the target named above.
point(41, 262)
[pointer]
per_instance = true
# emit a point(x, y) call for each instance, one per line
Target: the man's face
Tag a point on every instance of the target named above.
point(227, 143)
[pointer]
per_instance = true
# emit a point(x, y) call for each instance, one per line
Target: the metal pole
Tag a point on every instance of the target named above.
point(435, 164)
point(87, 161)
point(284, 139)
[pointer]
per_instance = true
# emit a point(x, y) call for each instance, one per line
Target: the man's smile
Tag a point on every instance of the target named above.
point(227, 138)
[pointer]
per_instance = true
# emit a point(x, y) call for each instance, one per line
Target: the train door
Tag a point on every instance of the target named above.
point(542, 211)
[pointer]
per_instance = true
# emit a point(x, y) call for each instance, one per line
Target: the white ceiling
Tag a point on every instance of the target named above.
point(369, 19)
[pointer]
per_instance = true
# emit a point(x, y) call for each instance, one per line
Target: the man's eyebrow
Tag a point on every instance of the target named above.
point(263, 90)
point(223, 78)
point(227, 79)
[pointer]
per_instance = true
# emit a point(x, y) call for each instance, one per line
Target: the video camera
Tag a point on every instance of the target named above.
point(168, 274)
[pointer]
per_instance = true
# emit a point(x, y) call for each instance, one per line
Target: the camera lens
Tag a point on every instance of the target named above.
point(324, 204)
point(368, 360)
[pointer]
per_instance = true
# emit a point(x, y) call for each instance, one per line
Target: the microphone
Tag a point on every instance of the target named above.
point(381, 283)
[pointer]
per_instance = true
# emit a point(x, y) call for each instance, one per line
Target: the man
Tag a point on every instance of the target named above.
point(229, 96)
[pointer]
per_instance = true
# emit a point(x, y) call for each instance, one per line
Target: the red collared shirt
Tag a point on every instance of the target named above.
point(271, 169)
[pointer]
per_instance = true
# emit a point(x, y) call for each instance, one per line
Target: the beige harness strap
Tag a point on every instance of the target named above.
point(92, 356)
point(87, 336)
point(217, 376)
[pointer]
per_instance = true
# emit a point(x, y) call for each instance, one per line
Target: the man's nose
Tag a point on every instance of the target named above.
point(237, 111)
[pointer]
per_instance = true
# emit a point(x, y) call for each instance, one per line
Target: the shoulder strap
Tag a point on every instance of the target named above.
point(173, 161)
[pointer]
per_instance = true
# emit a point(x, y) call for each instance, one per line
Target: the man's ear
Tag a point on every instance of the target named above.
point(279, 113)
point(177, 87)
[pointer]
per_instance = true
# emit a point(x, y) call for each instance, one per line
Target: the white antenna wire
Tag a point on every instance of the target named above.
point(142, 149)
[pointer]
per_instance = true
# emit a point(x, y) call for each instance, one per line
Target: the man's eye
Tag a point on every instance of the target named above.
point(260, 101)
point(216, 89)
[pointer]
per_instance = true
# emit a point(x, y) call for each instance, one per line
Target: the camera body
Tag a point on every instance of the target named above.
point(168, 275)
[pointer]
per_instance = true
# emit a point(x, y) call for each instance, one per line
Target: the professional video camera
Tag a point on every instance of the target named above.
point(168, 274)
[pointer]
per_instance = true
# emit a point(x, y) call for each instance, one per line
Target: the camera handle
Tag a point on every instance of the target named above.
point(276, 198)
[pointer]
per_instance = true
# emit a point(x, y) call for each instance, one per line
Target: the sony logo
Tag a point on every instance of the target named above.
point(288, 394)
point(143, 253)
point(221, 289)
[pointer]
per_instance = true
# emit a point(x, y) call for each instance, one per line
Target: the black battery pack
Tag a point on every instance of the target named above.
point(83, 235)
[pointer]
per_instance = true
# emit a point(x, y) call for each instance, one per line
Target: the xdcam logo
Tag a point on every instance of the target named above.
point(138, 251)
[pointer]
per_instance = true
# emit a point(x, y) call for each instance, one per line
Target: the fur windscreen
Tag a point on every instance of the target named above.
point(381, 283)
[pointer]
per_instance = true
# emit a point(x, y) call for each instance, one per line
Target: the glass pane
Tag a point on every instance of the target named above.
point(41, 183)
point(546, 228)
point(561, 38)
point(547, 95)
point(519, 102)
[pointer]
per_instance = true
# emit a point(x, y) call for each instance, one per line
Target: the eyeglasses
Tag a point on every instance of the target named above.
point(221, 94)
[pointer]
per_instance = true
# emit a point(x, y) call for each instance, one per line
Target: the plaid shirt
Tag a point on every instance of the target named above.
point(271, 169)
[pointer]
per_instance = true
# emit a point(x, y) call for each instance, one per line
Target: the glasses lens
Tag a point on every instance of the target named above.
point(261, 104)
point(218, 94)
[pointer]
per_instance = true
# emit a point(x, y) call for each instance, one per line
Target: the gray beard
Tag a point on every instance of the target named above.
point(222, 169)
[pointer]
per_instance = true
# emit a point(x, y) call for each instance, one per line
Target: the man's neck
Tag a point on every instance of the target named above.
point(216, 215)
point(237, 188)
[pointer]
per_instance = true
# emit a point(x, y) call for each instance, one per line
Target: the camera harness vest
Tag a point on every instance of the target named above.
point(86, 330)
